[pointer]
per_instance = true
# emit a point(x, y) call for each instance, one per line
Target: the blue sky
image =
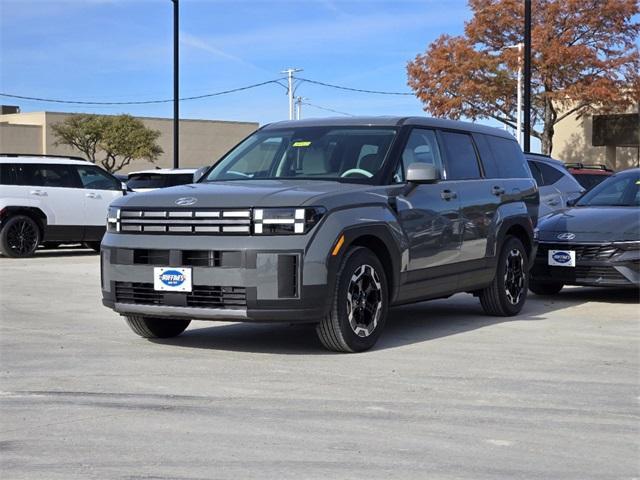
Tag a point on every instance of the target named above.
point(121, 50)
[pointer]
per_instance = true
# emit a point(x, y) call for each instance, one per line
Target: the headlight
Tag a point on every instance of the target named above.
point(633, 245)
point(285, 221)
point(113, 219)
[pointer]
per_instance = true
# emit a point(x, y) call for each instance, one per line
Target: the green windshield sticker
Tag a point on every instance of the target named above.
point(301, 144)
point(637, 182)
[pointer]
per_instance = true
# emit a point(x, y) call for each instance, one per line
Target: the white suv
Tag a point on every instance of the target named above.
point(50, 200)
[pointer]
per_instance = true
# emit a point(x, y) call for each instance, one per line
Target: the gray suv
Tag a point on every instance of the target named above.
point(328, 222)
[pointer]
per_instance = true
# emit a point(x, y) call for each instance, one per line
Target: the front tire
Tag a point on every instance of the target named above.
point(359, 305)
point(19, 237)
point(150, 327)
point(507, 293)
point(545, 288)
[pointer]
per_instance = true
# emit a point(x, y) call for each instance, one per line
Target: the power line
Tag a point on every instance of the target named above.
point(339, 87)
point(327, 109)
point(140, 102)
point(207, 95)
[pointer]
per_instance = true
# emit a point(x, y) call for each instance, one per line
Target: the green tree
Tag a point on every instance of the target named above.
point(111, 141)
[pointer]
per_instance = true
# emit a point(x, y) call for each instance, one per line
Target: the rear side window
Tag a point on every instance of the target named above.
point(550, 175)
point(461, 160)
point(47, 175)
point(508, 157)
point(535, 171)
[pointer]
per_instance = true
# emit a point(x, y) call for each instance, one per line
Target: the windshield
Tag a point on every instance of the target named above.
point(310, 153)
point(616, 191)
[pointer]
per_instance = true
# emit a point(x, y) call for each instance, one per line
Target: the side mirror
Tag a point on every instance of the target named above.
point(572, 202)
point(124, 188)
point(419, 172)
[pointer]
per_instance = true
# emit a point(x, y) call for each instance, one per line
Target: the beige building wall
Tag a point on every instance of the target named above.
point(20, 138)
point(202, 142)
point(572, 143)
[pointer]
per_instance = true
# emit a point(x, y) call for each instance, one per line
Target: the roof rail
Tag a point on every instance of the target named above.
point(69, 157)
point(588, 166)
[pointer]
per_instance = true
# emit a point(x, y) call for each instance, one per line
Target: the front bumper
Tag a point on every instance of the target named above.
point(234, 278)
point(601, 265)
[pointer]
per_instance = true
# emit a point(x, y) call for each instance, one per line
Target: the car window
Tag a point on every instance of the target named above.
point(97, 179)
point(508, 157)
point(7, 174)
point(535, 171)
point(550, 175)
point(588, 180)
point(146, 180)
point(422, 146)
point(461, 158)
point(616, 191)
point(179, 179)
point(47, 175)
point(350, 154)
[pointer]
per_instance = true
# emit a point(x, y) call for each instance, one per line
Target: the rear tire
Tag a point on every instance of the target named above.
point(150, 327)
point(360, 302)
point(545, 288)
point(507, 293)
point(19, 237)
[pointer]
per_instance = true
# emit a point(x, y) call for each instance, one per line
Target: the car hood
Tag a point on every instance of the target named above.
point(243, 194)
point(592, 224)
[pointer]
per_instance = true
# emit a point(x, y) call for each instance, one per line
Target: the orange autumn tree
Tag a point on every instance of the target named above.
point(584, 58)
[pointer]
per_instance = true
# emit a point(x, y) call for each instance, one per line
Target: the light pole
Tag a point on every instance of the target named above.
point(290, 72)
point(176, 90)
point(527, 76)
point(519, 46)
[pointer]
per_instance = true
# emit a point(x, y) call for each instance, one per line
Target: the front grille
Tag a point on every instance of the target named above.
point(202, 296)
point(185, 221)
point(582, 274)
point(583, 251)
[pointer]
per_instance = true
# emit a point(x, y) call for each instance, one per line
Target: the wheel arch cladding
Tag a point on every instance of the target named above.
point(34, 213)
point(518, 231)
point(380, 250)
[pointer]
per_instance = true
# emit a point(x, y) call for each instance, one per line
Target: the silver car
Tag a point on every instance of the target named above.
point(556, 185)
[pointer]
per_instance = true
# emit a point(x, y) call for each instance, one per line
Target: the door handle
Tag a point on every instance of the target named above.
point(497, 190)
point(448, 195)
point(39, 193)
point(92, 195)
point(553, 202)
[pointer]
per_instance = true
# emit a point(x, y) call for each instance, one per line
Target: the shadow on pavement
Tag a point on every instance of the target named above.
point(406, 324)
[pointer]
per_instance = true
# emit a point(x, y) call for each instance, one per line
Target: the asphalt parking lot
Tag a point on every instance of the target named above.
point(447, 393)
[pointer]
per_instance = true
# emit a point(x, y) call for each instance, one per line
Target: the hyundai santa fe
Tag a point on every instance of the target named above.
point(329, 222)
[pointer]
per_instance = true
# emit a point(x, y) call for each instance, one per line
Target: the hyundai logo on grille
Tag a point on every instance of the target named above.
point(566, 236)
point(562, 257)
point(186, 201)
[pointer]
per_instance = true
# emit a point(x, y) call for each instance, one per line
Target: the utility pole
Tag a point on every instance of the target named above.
point(290, 72)
point(176, 89)
point(298, 108)
point(527, 76)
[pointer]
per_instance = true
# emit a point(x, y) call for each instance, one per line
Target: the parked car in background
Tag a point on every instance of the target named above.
point(147, 180)
point(589, 175)
point(52, 200)
point(557, 186)
point(329, 221)
point(123, 177)
point(595, 242)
